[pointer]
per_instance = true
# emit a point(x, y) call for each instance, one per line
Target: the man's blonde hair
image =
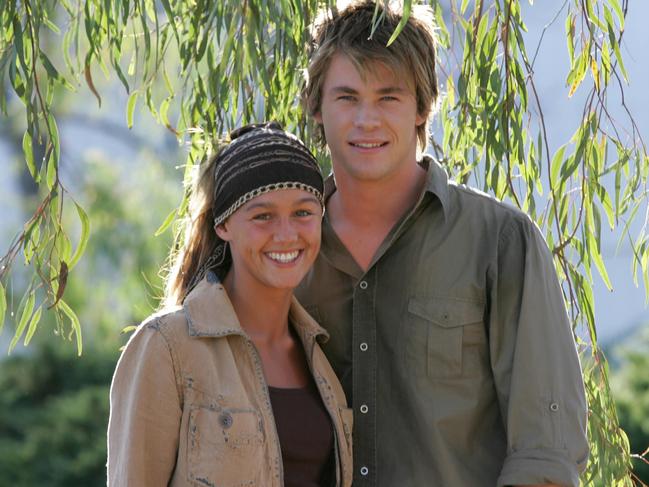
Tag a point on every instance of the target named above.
point(348, 31)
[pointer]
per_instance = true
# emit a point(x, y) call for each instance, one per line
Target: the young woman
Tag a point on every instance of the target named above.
point(230, 387)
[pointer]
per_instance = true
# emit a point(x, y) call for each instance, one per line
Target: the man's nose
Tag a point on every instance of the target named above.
point(367, 116)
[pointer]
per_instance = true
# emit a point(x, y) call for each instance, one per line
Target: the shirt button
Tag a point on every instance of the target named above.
point(363, 284)
point(363, 347)
point(554, 407)
point(364, 471)
point(364, 408)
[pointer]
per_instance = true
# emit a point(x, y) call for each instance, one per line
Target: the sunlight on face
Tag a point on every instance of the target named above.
point(274, 238)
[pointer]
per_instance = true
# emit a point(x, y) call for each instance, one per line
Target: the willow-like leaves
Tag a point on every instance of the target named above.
point(201, 68)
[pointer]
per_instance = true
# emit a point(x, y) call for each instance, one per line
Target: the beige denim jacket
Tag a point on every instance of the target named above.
point(189, 404)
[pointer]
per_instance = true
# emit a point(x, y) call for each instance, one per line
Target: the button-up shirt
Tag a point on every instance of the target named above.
point(453, 347)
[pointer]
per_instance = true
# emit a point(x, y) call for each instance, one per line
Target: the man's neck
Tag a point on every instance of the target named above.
point(363, 212)
point(375, 203)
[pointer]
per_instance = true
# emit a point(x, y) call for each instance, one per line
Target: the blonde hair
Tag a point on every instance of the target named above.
point(348, 32)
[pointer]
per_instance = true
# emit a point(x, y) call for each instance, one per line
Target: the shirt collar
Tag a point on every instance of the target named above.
point(210, 313)
point(437, 182)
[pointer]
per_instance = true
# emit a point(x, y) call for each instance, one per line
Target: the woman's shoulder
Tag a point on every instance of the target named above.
point(169, 321)
point(163, 333)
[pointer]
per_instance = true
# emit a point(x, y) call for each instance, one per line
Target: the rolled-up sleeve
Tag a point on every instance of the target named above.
point(535, 364)
point(145, 412)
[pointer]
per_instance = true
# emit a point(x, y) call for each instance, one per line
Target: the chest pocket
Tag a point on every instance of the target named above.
point(225, 446)
point(444, 338)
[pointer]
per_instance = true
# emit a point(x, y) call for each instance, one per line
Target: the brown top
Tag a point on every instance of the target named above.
point(305, 436)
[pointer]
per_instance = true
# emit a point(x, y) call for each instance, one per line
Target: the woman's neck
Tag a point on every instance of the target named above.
point(263, 314)
point(262, 311)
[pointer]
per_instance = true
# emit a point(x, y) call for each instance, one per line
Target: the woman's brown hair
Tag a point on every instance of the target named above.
point(199, 237)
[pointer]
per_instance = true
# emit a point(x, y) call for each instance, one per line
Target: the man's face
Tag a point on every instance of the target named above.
point(369, 124)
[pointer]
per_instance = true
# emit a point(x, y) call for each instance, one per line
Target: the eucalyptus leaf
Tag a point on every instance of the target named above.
point(130, 108)
point(3, 306)
point(24, 319)
point(33, 323)
point(83, 239)
point(74, 321)
point(29, 155)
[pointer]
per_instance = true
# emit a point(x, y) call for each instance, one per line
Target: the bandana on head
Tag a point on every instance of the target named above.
point(262, 158)
point(259, 159)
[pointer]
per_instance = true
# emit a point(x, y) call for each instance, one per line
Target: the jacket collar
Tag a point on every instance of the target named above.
point(210, 314)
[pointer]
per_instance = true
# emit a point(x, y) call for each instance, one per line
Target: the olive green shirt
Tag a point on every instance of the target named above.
point(454, 347)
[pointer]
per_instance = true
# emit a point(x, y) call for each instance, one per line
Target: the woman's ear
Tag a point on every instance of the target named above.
point(222, 232)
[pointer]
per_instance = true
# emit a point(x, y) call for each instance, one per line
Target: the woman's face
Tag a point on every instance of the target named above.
point(274, 239)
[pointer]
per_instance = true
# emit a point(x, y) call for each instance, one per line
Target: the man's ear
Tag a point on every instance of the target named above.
point(317, 116)
point(420, 119)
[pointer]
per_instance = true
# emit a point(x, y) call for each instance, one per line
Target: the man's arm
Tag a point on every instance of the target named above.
point(535, 364)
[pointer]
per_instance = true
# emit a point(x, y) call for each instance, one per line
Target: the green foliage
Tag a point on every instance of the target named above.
point(609, 462)
point(53, 417)
point(216, 65)
point(631, 386)
point(259, 47)
point(54, 405)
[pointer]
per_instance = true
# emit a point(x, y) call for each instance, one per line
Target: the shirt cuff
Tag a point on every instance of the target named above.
point(529, 467)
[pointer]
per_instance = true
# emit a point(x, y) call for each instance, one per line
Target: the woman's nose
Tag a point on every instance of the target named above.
point(285, 231)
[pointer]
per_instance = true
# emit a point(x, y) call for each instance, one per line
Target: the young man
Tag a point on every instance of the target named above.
point(448, 326)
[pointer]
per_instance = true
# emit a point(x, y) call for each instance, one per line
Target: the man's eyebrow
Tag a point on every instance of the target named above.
point(343, 89)
point(381, 91)
point(390, 89)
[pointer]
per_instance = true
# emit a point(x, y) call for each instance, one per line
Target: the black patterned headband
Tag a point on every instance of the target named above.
point(262, 158)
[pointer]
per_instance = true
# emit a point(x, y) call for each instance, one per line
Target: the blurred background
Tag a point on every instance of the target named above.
point(54, 405)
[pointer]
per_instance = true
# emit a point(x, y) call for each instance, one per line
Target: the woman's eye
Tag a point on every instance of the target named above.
point(262, 217)
point(389, 98)
point(303, 213)
point(346, 98)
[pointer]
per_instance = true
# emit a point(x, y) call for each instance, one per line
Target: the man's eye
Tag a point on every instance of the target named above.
point(346, 98)
point(262, 217)
point(303, 213)
point(389, 98)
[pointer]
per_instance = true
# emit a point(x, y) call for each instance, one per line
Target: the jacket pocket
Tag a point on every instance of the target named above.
point(439, 332)
point(225, 446)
